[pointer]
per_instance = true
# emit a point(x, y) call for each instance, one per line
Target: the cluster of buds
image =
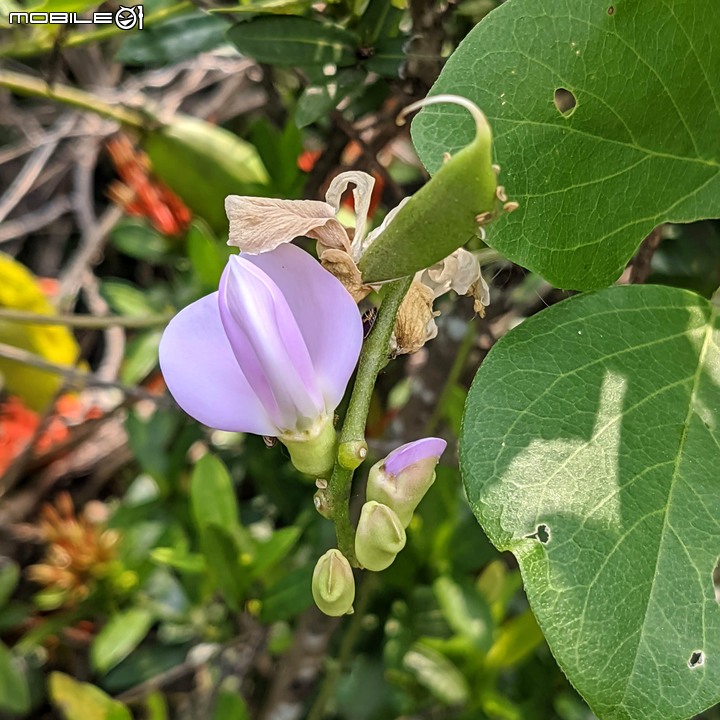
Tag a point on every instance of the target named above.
point(80, 551)
point(395, 487)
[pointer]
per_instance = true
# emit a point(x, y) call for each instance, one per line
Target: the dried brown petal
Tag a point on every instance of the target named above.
point(342, 266)
point(458, 271)
point(415, 323)
point(258, 225)
point(362, 195)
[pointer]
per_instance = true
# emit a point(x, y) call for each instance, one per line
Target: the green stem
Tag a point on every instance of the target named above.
point(77, 39)
point(373, 358)
point(91, 322)
point(452, 378)
point(34, 87)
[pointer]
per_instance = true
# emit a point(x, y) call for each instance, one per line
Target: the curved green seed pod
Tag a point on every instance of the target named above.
point(441, 216)
point(203, 163)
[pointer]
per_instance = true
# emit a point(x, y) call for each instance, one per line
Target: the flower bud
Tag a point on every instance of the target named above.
point(380, 536)
point(333, 584)
point(401, 480)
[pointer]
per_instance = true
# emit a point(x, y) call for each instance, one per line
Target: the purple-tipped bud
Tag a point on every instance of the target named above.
point(333, 584)
point(270, 353)
point(401, 480)
point(379, 538)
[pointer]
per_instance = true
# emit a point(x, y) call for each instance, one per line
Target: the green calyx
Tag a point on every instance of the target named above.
point(313, 451)
point(442, 215)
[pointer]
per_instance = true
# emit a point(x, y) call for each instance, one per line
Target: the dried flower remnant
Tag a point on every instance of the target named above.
point(80, 552)
point(258, 225)
point(270, 353)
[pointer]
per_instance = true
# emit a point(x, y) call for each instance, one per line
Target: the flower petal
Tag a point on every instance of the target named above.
point(325, 313)
point(268, 344)
point(202, 373)
point(259, 225)
point(362, 195)
point(413, 452)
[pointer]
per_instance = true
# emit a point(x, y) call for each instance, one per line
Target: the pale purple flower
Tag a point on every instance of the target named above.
point(271, 352)
point(413, 452)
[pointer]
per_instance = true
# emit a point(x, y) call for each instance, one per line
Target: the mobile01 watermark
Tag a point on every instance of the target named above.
point(126, 18)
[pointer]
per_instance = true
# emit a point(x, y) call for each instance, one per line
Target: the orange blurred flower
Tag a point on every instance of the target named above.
point(143, 195)
point(80, 550)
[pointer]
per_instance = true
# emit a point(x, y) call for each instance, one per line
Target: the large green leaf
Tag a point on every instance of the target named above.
point(641, 147)
point(294, 41)
point(590, 449)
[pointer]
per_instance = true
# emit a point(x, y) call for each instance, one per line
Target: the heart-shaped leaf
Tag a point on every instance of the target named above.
point(590, 448)
point(640, 146)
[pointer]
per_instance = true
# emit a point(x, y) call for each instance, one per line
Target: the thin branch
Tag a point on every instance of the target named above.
point(24, 180)
point(70, 374)
point(35, 87)
point(34, 221)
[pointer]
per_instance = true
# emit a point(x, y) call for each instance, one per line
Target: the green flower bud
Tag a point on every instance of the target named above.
point(333, 584)
point(380, 536)
point(401, 480)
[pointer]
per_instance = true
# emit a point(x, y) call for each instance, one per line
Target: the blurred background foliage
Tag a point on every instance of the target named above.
point(151, 568)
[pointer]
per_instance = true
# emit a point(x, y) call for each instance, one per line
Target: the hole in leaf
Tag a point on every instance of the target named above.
point(716, 580)
point(696, 659)
point(565, 102)
point(611, 10)
point(541, 534)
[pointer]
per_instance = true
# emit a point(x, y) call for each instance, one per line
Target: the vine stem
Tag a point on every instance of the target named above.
point(373, 358)
point(77, 39)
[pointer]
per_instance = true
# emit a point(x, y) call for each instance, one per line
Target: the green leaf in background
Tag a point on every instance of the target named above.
point(174, 40)
point(288, 597)
point(294, 41)
point(465, 610)
point(203, 163)
point(274, 549)
point(207, 255)
point(212, 495)
point(266, 7)
point(230, 706)
point(138, 240)
point(119, 637)
point(77, 700)
point(126, 299)
point(388, 57)
point(321, 98)
point(14, 693)
point(641, 146)
point(141, 357)
point(223, 559)
point(590, 449)
point(9, 576)
point(515, 640)
point(437, 674)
